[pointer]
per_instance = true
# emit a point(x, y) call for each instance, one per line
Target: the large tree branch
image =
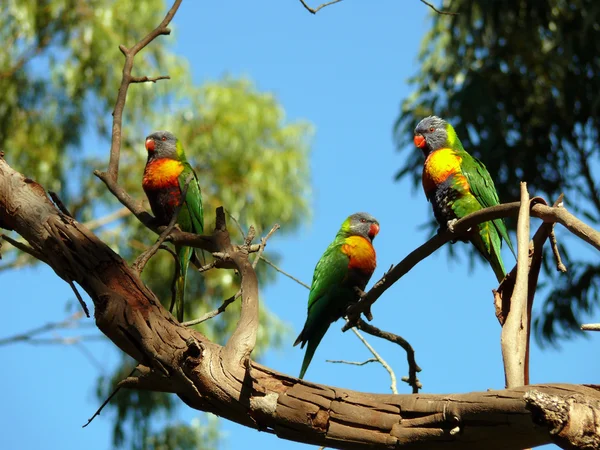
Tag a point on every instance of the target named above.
point(224, 381)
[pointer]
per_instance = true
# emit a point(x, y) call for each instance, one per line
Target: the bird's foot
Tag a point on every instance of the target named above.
point(361, 294)
point(450, 225)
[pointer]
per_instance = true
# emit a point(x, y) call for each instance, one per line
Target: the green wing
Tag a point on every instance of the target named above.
point(330, 272)
point(193, 198)
point(483, 189)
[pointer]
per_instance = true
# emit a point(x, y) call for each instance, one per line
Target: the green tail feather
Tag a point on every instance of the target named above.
point(313, 343)
point(184, 254)
point(488, 242)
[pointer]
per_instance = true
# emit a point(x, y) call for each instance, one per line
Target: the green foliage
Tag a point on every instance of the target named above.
point(519, 82)
point(61, 68)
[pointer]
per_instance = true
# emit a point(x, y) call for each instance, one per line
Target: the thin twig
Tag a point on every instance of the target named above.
point(59, 204)
point(351, 363)
point(559, 264)
point(591, 327)
point(301, 283)
point(78, 295)
point(141, 261)
point(214, 312)
point(383, 362)
point(444, 13)
point(147, 79)
point(515, 329)
point(315, 10)
point(100, 222)
point(413, 367)
point(237, 223)
point(23, 247)
point(110, 397)
point(263, 244)
point(73, 321)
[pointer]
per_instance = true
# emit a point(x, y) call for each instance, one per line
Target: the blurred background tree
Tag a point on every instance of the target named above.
point(520, 83)
point(60, 70)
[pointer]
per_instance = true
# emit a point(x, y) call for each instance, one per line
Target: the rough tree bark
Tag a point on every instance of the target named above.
point(224, 380)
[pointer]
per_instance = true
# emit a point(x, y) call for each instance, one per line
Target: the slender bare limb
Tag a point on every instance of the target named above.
point(107, 401)
point(413, 367)
point(73, 321)
point(591, 327)
point(514, 331)
point(315, 10)
point(278, 269)
point(559, 264)
point(444, 13)
point(351, 363)
point(214, 312)
point(237, 223)
point(102, 221)
point(79, 298)
point(148, 79)
point(263, 243)
point(59, 203)
point(378, 358)
point(23, 247)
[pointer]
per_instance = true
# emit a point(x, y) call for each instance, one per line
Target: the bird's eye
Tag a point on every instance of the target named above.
point(164, 138)
point(363, 220)
point(432, 129)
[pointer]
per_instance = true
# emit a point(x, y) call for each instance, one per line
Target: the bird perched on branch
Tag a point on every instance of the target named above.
point(165, 176)
point(347, 264)
point(458, 184)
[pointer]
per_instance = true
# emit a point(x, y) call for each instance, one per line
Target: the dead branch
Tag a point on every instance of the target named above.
point(443, 13)
point(516, 328)
point(283, 272)
point(559, 264)
point(263, 244)
point(71, 322)
point(380, 360)
point(315, 10)
point(591, 327)
point(111, 217)
point(352, 363)
point(413, 367)
point(214, 312)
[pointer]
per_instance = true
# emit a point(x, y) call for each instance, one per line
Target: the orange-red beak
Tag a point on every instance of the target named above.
point(420, 141)
point(373, 230)
point(150, 145)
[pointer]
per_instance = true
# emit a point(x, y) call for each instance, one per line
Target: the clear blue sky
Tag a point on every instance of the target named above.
point(345, 70)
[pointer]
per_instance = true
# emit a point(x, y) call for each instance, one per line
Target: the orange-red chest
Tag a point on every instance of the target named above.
point(361, 253)
point(161, 173)
point(441, 165)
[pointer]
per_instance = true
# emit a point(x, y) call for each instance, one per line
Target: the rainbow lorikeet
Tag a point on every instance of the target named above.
point(165, 176)
point(458, 184)
point(348, 263)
